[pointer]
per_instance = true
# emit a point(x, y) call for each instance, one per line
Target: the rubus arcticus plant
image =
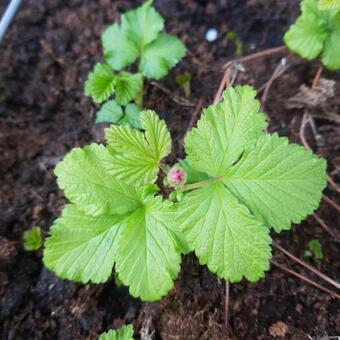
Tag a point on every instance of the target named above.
point(236, 183)
point(317, 32)
point(138, 41)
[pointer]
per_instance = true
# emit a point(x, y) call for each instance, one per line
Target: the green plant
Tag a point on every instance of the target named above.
point(233, 37)
point(234, 185)
point(329, 4)
point(32, 239)
point(139, 39)
point(316, 32)
point(184, 80)
point(123, 333)
point(314, 249)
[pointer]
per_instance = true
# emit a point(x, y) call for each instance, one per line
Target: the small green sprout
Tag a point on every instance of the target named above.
point(32, 239)
point(139, 39)
point(314, 249)
point(316, 32)
point(184, 80)
point(123, 333)
point(233, 37)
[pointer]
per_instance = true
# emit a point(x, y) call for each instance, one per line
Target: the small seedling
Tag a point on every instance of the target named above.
point(314, 249)
point(329, 4)
point(316, 32)
point(32, 239)
point(233, 37)
point(140, 40)
point(184, 80)
point(123, 333)
point(234, 185)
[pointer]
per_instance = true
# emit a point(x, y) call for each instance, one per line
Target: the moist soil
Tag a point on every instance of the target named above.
point(45, 57)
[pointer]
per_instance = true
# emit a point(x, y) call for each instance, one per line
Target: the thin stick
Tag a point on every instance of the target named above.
point(330, 202)
point(226, 308)
point(333, 184)
point(306, 265)
point(242, 60)
point(303, 278)
point(317, 77)
point(325, 227)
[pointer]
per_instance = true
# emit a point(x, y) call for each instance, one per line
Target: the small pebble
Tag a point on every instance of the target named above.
point(211, 34)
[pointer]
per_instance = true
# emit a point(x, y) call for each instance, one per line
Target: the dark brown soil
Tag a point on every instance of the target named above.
point(45, 57)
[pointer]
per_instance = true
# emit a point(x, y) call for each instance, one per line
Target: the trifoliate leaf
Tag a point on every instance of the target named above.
point(119, 51)
point(331, 54)
point(142, 25)
point(136, 156)
point(225, 131)
point(279, 182)
point(127, 87)
point(225, 236)
point(124, 333)
point(329, 4)
point(32, 239)
point(110, 112)
point(82, 247)
point(100, 83)
point(86, 182)
point(148, 259)
point(131, 117)
point(158, 57)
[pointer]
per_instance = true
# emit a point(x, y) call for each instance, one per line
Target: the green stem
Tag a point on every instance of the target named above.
point(200, 184)
point(139, 98)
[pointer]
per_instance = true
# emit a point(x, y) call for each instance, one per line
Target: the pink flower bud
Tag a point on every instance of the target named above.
point(176, 176)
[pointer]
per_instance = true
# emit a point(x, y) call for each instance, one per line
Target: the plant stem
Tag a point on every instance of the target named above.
point(139, 98)
point(200, 184)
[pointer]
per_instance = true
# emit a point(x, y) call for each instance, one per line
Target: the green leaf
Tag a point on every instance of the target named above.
point(127, 87)
point(314, 249)
point(279, 182)
point(142, 25)
point(193, 175)
point(119, 51)
point(224, 131)
point(123, 333)
point(148, 259)
point(82, 247)
point(131, 117)
point(158, 57)
point(225, 236)
point(136, 156)
point(110, 112)
point(32, 239)
point(100, 83)
point(84, 179)
point(329, 4)
point(331, 53)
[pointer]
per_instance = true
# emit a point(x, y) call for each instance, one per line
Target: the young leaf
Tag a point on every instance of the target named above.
point(193, 175)
point(86, 183)
point(148, 259)
point(123, 333)
point(82, 247)
point(110, 112)
point(158, 57)
point(142, 25)
point(136, 156)
point(32, 239)
point(119, 51)
point(279, 182)
point(329, 4)
point(100, 83)
point(225, 131)
point(131, 117)
point(127, 87)
point(226, 237)
point(316, 32)
point(314, 249)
